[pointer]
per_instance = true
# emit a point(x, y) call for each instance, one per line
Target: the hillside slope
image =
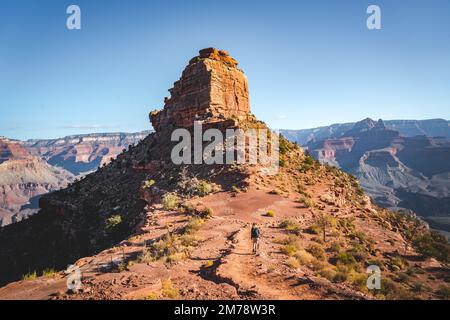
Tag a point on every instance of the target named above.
point(23, 179)
point(397, 171)
point(143, 227)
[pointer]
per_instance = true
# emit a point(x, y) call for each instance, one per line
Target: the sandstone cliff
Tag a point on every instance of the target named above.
point(211, 88)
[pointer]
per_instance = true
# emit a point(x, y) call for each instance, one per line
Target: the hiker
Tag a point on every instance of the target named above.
point(255, 234)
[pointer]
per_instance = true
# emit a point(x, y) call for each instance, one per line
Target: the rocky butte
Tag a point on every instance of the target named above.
point(144, 228)
point(211, 88)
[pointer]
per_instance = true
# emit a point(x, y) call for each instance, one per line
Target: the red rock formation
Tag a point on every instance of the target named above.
point(211, 88)
point(11, 150)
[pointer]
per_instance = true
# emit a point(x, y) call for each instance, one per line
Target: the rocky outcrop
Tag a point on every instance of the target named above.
point(211, 88)
point(73, 222)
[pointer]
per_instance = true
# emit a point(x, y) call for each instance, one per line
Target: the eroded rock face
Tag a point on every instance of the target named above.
point(211, 88)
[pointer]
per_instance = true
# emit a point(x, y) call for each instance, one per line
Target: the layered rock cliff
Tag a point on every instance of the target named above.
point(211, 88)
point(397, 171)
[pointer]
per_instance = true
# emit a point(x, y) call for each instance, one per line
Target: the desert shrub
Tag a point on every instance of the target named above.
point(188, 240)
point(146, 256)
point(399, 263)
point(359, 280)
point(346, 259)
point(30, 276)
point(289, 225)
point(150, 296)
point(335, 247)
point(359, 191)
point(235, 189)
point(340, 277)
point(317, 251)
point(417, 287)
point(360, 236)
point(328, 273)
point(390, 289)
point(285, 145)
point(206, 213)
point(292, 263)
point(148, 184)
point(170, 201)
point(290, 239)
point(203, 188)
point(308, 163)
point(318, 265)
point(276, 191)
point(48, 273)
point(443, 292)
point(376, 262)
point(169, 291)
point(324, 222)
point(194, 224)
point(434, 245)
point(176, 256)
point(358, 252)
point(208, 264)
point(289, 249)
point(313, 229)
point(304, 257)
point(113, 221)
point(346, 223)
point(307, 202)
point(402, 277)
point(270, 213)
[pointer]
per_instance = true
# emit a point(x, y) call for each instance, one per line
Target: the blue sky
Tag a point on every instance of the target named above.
point(308, 63)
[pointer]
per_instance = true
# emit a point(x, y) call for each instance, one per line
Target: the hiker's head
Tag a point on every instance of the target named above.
point(254, 224)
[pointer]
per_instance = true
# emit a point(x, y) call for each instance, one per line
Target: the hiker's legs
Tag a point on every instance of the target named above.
point(255, 243)
point(257, 246)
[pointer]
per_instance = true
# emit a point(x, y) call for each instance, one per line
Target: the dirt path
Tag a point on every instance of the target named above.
point(245, 270)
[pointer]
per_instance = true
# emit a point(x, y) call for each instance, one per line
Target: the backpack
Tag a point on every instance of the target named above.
point(255, 232)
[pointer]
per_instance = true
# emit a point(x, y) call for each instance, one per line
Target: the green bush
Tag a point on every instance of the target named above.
point(48, 273)
point(169, 291)
point(376, 262)
point(340, 277)
point(443, 292)
point(148, 183)
point(335, 247)
point(434, 245)
point(399, 262)
point(30, 276)
point(289, 225)
point(304, 257)
point(203, 188)
point(289, 249)
point(113, 221)
point(314, 229)
point(317, 251)
point(346, 259)
point(170, 201)
point(270, 213)
point(417, 287)
point(194, 224)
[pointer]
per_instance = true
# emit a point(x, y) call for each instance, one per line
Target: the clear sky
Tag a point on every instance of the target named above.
point(308, 63)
